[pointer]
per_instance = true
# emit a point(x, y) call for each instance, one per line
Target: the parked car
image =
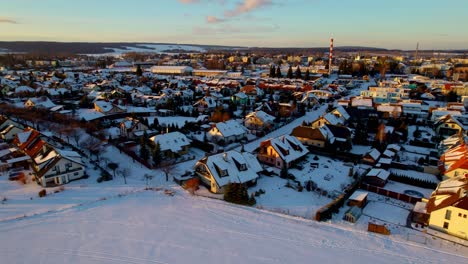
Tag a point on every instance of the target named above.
point(16, 175)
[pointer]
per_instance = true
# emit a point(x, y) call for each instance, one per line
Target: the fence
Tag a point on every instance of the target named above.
point(134, 156)
point(391, 194)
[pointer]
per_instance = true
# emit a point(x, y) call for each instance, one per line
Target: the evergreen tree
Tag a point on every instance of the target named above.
point(289, 75)
point(272, 71)
point(298, 73)
point(307, 75)
point(278, 72)
point(139, 71)
point(156, 153)
point(144, 153)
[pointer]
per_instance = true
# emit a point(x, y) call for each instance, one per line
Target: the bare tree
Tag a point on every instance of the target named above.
point(148, 178)
point(93, 145)
point(125, 172)
point(167, 168)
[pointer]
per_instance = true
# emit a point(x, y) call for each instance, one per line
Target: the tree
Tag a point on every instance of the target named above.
point(272, 71)
point(298, 73)
point(451, 96)
point(125, 172)
point(167, 169)
point(307, 75)
point(289, 75)
point(156, 153)
point(237, 193)
point(278, 72)
point(113, 166)
point(139, 71)
point(144, 152)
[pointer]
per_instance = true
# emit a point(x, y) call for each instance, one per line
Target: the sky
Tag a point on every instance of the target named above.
point(393, 24)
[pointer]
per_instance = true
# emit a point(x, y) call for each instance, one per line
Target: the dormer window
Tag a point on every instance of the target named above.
point(224, 173)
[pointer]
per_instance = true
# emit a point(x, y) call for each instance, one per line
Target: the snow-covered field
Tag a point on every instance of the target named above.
point(152, 48)
point(278, 198)
point(152, 227)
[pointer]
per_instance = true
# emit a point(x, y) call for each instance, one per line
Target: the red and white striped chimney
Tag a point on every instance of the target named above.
point(330, 57)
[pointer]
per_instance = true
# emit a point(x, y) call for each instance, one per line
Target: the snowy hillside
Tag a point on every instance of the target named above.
point(153, 227)
point(156, 48)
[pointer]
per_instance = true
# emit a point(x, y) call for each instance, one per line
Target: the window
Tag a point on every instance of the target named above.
point(464, 216)
point(459, 214)
point(76, 173)
point(446, 225)
point(448, 214)
point(68, 165)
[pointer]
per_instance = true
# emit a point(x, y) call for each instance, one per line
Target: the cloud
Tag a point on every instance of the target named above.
point(230, 30)
point(7, 21)
point(247, 6)
point(213, 19)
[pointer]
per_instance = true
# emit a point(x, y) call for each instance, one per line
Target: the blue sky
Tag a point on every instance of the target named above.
point(288, 23)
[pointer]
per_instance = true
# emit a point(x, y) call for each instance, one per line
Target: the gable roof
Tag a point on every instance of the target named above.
point(230, 162)
point(289, 148)
point(173, 141)
point(231, 128)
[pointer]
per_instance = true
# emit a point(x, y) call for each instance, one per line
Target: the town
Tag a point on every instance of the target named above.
point(363, 140)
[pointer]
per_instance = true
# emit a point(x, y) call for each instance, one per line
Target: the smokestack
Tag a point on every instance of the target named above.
point(330, 57)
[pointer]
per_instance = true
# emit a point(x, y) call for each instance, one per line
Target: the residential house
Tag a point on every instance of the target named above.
point(448, 207)
point(454, 162)
point(449, 125)
point(230, 131)
point(219, 170)
point(371, 157)
point(108, 108)
point(42, 102)
point(206, 104)
point(51, 165)
point(56, 167)
point(259, 122)
point(307, 135)
point(282, 151)
point(132, 128)
point(377, 177)
point(8, 133)
point(172, 144)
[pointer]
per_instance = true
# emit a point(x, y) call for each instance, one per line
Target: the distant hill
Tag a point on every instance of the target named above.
point(63, 48)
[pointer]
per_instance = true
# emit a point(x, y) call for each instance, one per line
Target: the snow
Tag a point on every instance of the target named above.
point(401, 188)
point(174, 141)
point(150, 48)
point(89, 114)
point(152, 227)
point(386, 212)
point(415, 175)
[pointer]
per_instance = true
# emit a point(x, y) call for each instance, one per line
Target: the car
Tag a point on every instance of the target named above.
point(15, 175)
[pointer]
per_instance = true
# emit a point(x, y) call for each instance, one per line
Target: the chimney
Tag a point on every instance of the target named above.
point(225, 156)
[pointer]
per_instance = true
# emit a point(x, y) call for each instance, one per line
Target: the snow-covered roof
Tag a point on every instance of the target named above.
point(374, 154)
point(231, 128)
point(289, 148)
point(173, 141)
point(379, 173)
point(358, 195)
point(233, 166)
point(264, 117)
point(23, 136)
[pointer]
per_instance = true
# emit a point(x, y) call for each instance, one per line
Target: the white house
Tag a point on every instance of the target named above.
point(171, 144)
point(229, 167)
point(229, 131)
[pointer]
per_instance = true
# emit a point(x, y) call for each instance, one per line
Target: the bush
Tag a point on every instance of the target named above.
point(237, 193)
point(42, 193)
